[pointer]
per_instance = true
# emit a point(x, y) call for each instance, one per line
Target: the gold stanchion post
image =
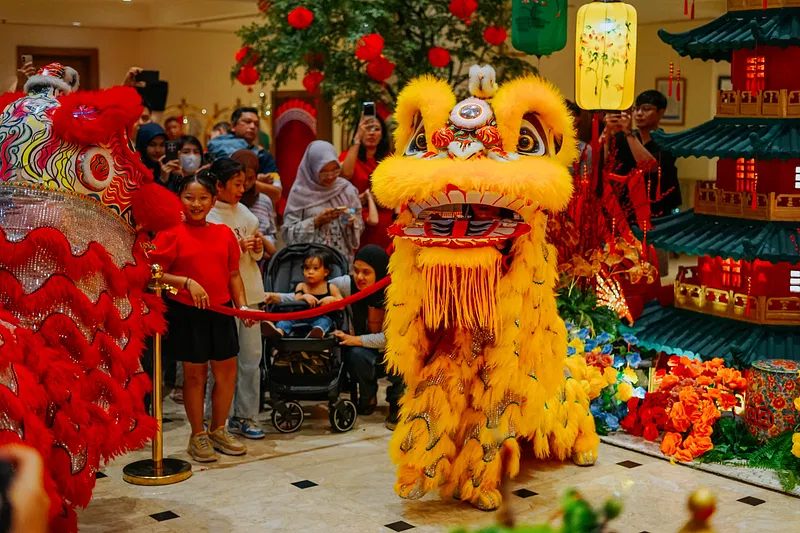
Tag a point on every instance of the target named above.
point(157, 471)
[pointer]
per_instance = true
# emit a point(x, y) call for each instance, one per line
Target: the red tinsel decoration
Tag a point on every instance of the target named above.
point(495, 35)
point(312, 80)
point(300, 18)
point(380, 69)
point(438, 57)
point(369, 47)
point(671, 72)
point(463, 9)
point(245, 52)
point(247, 76)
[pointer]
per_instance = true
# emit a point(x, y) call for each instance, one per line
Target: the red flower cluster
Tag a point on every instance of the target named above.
point(463, 9)
point(312, 80)
point(685, 407)
point(369, 47)
point(380, 69)
point(300, 18)
point(495, 35)
point(438, 57)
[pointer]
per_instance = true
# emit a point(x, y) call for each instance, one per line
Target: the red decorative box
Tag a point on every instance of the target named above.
point(771, 389)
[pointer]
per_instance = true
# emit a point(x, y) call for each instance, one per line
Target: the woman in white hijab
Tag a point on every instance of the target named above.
point(322, 207)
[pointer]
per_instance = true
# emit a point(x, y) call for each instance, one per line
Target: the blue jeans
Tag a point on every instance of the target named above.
point(325, 322)
point(365, 366)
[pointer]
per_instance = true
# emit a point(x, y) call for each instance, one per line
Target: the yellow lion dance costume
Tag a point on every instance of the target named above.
point(471, 323)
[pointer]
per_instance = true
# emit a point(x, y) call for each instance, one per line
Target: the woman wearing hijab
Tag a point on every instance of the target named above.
point(150, 143)
point(322, 207)
point(364, 346)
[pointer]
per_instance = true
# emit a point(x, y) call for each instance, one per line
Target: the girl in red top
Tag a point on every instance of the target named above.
point(370, 146)
point(203, 259)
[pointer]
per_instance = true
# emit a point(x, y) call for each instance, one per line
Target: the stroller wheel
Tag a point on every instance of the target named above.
point(287, 417)
point(343, 415)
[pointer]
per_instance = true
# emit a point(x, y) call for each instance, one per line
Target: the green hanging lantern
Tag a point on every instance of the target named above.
point(539, 27)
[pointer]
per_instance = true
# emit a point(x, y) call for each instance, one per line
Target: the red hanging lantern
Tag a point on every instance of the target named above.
point(300, 18)
point(247, 75)
point(495, 35)
point(312, 80)
point(380, 69)
point(463, 9)
point(245, 52)
point(438, 57)
point(369, 47)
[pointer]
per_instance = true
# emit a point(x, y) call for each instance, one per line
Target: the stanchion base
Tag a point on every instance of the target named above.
point(144, 472)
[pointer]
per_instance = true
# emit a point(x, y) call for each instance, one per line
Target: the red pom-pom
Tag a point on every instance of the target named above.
point(155, 208)
point(300, 18)
point(312, 80)
point(369, 47)
point(246, 52)
point(247, 76)
point(380, 69)
point(438, 57)
point(442, 138)
point(91, 117)
point(495, 35)
point(463, 9)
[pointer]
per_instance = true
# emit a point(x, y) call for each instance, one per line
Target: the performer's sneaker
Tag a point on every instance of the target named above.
point(246, 427)
point(200, 448)
point(224, 442)
point(393, 417)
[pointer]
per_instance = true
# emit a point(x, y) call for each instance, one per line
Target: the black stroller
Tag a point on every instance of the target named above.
point(299, 368)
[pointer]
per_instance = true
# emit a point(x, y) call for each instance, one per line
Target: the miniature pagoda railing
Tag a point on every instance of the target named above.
point(738, 5)
point(708, 200)
point(732, 304)
point(771, 104)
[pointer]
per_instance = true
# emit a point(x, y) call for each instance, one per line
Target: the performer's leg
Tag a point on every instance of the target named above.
point(194, 384)
point(224, 387)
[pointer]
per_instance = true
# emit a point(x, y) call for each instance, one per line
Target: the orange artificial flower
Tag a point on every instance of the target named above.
point(717, 362)
point(702, 430)
point(678, 417)
point(714, 393)
point(697, 446)
point(689, 398)
point(669, 381)
point(728, 401)
point(710, 414)
point(683, 455)
point(670, 443)
point(704, 381)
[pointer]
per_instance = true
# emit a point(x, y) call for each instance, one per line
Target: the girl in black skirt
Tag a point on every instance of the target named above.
point(202, 259)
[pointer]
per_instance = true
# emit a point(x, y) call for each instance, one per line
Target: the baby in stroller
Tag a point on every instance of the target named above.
point(315, 290)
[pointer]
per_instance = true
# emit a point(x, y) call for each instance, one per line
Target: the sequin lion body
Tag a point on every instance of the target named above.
point(74, 311)
point(472, 324)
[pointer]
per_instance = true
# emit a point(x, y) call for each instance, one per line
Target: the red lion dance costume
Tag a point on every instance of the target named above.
point(75, 202)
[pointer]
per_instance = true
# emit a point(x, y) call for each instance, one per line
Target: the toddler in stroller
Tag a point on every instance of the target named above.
point(315, 290)
point(299, 366)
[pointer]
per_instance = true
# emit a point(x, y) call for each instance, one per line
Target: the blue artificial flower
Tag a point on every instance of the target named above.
point(604, 337)
point(583, 334)
point(639, 392)
point(630, 339)
point(612, 422)
point(607, 349)
point(570, 326)
point(618, 362)
point(590, 345)
point(596, 408)
point(634, 359)
point(570, 350)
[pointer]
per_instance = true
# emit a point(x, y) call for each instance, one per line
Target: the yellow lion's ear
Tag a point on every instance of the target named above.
point(532, 94)
point(426, 99)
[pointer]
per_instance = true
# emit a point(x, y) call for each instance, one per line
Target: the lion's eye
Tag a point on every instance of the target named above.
point(421, 142)
point(530, 140)
point(418, 145)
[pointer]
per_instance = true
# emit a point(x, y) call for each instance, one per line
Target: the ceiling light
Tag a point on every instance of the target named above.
point(76, 23)
point(127, 0)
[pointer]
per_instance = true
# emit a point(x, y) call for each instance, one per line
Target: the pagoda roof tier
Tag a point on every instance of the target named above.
point(716, 236)
point(736, 30)
point(681, 332)
point(732, 138)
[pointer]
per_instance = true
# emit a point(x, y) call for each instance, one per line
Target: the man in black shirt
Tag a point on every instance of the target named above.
point(636, 147)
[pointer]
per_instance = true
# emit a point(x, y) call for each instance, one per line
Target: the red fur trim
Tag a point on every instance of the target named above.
point(156, 208)
point(9, 98)
point(91, 117)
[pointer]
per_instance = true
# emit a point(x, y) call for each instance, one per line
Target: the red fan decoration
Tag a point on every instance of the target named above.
point(312, 80)
point(380, 69)
point(495, 35)
point(369, 47)
point(438, 57)
point(463, 9)
point(247, 75)
point(300, 18)
point(244, 53)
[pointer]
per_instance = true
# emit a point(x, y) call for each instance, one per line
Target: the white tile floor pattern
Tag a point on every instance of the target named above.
point(318, 481)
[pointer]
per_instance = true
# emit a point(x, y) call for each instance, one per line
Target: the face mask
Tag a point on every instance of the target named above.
point(190, 162)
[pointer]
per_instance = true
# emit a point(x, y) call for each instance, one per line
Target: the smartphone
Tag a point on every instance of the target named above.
point(369, 109)
point(27, 58)
point(148, 76)
point(171, 151)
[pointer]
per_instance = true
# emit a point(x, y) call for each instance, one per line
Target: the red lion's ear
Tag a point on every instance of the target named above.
point(8, 98)
point(155, 208)
point(91, 117)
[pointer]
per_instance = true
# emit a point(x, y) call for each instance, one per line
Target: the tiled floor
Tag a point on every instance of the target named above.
point(317, 481)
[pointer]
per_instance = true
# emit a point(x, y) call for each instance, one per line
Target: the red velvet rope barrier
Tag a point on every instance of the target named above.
point(309, 313)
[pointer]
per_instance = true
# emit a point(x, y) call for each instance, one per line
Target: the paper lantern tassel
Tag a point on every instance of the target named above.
point(692, 17)
point(678, 88)
point(671, 72)
point(685, 7)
